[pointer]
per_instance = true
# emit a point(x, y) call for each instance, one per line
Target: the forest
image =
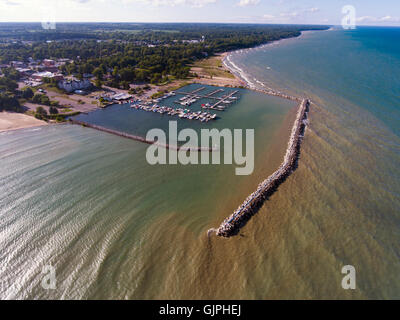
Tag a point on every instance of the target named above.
point(122, 53)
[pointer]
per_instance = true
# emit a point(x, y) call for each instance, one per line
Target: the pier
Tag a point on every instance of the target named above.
point(191, 97)
point(223, 99)
point(140, 139)
point(232, 224)
point(181, 113)
point(206, 96)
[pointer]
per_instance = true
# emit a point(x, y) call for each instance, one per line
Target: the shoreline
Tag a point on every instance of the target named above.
point(13, 121)
point(242, 77)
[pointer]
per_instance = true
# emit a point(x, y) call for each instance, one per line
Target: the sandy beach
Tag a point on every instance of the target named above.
point(12, 121)
point(212, 71)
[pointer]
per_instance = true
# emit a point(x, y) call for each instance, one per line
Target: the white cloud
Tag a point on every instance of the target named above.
point(245, 3)
point(369, 19)
point(289, 14)
point(285, 17)
point(172, 3)
point(268, 17)
point(312, 10)
point(193, 3)
point(12, 3)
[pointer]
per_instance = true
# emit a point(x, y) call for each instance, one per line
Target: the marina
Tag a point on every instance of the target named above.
point(195, 98)
point(192, 97)
point(181, 113)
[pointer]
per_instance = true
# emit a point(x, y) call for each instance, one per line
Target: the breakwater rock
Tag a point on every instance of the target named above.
point(142, 139)
point(231, 225)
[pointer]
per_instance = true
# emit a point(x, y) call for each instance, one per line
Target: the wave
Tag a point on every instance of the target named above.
point(236, 69)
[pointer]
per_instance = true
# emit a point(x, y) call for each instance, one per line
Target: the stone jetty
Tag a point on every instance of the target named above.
point(231, 225)
point(141, 139)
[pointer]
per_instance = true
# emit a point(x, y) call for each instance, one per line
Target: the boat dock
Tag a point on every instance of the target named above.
point(210, 95)
point(181, 113)
point(192, 97)
point(224, 99)
point(231, 225)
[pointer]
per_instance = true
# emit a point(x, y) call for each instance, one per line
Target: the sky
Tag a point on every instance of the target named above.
point(329, 12)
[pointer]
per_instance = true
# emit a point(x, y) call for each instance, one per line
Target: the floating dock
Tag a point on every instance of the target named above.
point(206, 96)
point(231, 225)
point(224, 99)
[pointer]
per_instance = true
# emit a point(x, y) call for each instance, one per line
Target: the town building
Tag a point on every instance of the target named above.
point(17, 64)
point(39, 76)
point(49, 63)
point(72, 85)
point(25, 72)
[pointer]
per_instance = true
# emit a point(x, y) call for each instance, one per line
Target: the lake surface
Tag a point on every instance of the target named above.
point(342, 205)
point(115, 227)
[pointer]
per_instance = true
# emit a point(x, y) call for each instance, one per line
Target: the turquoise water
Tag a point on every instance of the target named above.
point(349, 175)
point(89, 204)
point(360, 66)
point(115, 227)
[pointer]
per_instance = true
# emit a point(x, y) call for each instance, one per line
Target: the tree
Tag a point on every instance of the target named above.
point(45, 100)
point(125, 85)
point(156, 78)
point(98, 73)
point(36, 98)
point(27, 93)
point(53, 110)
point(41, 113)
point(115, 72)
point(7, 84)
point(11, 73)
point(9, 103)
point(98, 83)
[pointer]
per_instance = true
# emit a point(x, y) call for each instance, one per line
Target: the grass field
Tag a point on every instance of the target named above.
point(211, 67)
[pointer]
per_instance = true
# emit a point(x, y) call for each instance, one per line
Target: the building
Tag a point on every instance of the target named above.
point(25, 72)
point(63, 61)
point(121, 96)
point(51, 69)
point(17, 64)
point(39, 76)
point(49, 63)
point(73, 85)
